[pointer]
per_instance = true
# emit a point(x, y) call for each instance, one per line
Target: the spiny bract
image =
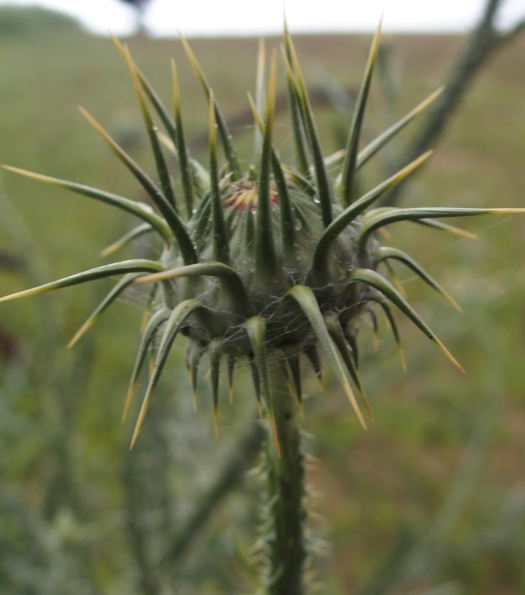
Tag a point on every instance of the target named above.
point(268, 264)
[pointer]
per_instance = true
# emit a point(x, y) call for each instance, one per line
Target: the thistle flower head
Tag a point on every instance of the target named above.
point(272, 265)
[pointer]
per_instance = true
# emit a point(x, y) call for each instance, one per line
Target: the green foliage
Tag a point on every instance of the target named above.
point(396, 471)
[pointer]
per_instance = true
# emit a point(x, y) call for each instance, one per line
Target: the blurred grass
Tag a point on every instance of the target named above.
point(377, 487)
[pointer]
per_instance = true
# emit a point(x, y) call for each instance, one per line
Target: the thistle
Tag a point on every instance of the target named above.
point(273, 266)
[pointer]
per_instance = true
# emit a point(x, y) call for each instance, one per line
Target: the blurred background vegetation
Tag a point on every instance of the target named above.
point(430, 500)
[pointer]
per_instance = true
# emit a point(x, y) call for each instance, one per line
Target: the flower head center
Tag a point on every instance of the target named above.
point(244, 194)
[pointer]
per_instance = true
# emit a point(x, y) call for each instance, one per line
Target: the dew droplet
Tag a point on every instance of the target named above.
point(297, 225)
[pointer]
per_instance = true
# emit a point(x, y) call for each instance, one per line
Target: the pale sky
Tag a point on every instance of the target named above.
point(249, 17)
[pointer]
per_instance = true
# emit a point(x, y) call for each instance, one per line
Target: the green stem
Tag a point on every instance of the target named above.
point(286, 548)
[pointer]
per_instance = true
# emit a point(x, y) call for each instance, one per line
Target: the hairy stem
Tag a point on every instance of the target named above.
point(286, 549)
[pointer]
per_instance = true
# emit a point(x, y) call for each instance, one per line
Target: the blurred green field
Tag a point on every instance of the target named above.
point(431, 496)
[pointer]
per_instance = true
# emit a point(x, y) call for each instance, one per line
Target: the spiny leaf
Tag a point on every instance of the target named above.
point(201, 221)
point(127, 238)
point(305, 297)
point(232, 360)
point(294, 361)
point(176, 319)
point(256, 386)
point(147, 336)
point(232, 283)
point(259, 94)
point(287, 220)
point(324, 186)
point(215, 351)
point(182, 150)
point(224, 133)
point(141, 210)
point(392, 215)
point(299, 180)
point(168, 211)
point(160, 162)
point(221, 250)
point(106, 302)
point(338, 225)
point(150, 92)
point(385, 253)
point(378, 298)
point(313, 357)
point(375, 327)
point(352, 148)
point(395, 278)
point(378, 282)
point(265, 256)
point(256, 328)
point(463, 233)
point(336, 333)
point(301, 151)
point(379, 142)
point(195, 355)
point(108, 270)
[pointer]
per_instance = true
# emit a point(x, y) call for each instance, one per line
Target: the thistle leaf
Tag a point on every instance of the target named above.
point(232, 360)
point(232, 283)
point(195, 355)
point(313, 357)
point(265, 256)
point(201, 221)
point(378, 298)
point(150, 92)
point(108, 270)
point(256, 328)
point(256, 386)
point(375, 327)
point(463, 233)
point(221, 250)
point(106, 302)
point(287, 221)
point(215, 350)
point(395, 278)
point(259, 94)
point(393, 215)
point(370, 150)
point(168, 211)
point(305, 297)
point(294, 361)
point(301, 151)
point(141, 210)
point(352, 148)
point(384, 254)
point(182, 150)
point(176, 319)
point(324, 185)
point(224, 133)
point(127, 238)
point(147, 337)
point(160, 162)
point(336, 333)
point(378, 282)
point(338, 225)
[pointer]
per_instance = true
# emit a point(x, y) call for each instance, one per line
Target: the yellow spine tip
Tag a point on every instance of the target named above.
point(129, 396)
